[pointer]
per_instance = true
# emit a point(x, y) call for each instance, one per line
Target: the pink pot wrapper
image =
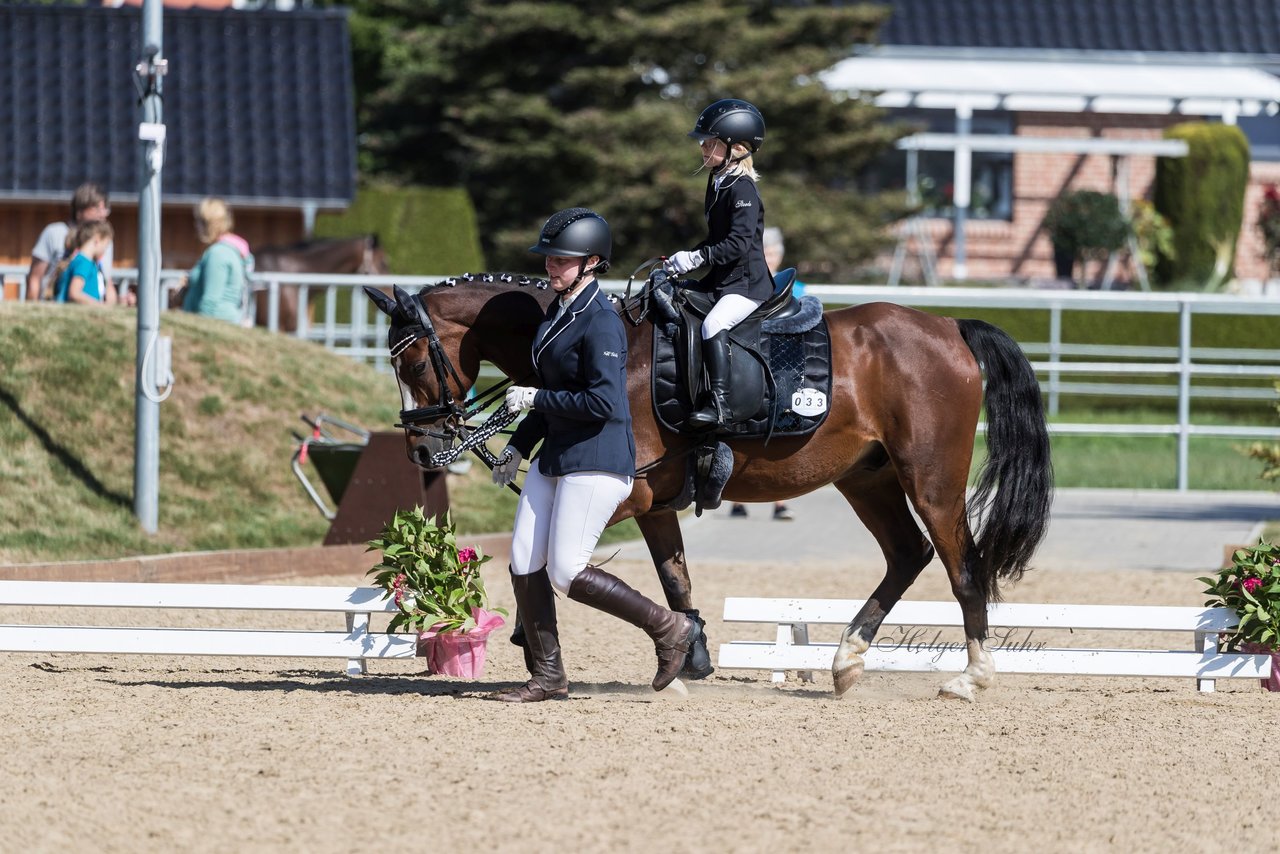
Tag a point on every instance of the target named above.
point(459, 653)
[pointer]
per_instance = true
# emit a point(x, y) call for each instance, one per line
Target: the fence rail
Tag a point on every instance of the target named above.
point(360, 333)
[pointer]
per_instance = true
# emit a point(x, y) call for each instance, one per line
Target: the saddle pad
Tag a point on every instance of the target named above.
point(800, 366)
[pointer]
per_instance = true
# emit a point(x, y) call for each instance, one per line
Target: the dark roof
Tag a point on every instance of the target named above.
point(258, 105)
point(1157, 26)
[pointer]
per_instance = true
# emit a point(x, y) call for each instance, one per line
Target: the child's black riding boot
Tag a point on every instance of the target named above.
point(715, 407)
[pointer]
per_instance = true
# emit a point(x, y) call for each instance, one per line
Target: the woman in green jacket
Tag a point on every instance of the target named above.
point(216, 285)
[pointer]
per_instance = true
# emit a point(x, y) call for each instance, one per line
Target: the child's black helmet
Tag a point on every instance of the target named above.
point(730, 120)
point(575, 233)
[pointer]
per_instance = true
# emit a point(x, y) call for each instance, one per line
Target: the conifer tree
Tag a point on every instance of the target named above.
point(536, 106)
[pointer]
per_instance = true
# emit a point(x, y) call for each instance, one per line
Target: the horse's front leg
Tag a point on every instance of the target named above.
point(661, 530)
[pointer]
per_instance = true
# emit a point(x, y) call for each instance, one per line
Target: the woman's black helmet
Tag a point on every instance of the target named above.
point(575, 233)
point(730, 120)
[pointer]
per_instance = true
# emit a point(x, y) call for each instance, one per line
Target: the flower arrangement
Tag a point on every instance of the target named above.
point(1250, 585)
point(436, 585)
point(1269, 225)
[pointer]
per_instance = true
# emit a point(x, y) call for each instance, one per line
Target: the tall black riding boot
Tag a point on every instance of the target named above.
point(673, 633)
point(536, 605)
point(715, 406)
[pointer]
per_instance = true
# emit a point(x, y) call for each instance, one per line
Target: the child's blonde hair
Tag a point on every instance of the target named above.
point(746, 165)
point(213, 219)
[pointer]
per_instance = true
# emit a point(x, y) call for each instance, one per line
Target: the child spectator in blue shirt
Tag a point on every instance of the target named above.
point(82, 280)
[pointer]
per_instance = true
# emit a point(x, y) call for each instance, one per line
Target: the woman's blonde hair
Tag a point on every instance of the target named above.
point(213, 219)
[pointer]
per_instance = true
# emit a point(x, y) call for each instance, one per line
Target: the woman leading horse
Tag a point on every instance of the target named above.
point(906, 395)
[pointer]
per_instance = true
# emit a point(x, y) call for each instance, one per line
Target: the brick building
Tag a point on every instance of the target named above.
point(1063, 69)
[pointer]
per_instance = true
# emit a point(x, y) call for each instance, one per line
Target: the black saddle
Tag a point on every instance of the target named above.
point(780, 350)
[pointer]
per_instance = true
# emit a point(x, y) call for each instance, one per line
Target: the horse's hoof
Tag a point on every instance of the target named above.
point(848, 664)
point(698, 663)
point(959, 688)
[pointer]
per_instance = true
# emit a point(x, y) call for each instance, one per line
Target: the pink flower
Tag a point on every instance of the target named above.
point(467, 555)
point(1251, 584)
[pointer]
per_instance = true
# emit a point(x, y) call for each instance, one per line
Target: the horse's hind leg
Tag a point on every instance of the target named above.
point(881, 504)
point(939, 499)
point(661, 530)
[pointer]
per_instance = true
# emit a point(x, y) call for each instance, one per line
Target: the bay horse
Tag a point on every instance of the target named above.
point(362, 254)
point(907, 389)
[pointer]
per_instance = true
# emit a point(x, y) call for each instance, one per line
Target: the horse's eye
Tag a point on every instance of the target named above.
point(419, 368)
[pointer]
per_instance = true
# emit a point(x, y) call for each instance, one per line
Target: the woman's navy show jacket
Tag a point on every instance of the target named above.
point(580, 412)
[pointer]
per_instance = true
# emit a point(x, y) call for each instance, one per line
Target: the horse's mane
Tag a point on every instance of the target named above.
point(518, 279)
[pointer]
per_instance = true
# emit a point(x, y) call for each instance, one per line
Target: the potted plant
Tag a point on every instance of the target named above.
point(1250, 586)
point(438, 592)
point(1084, 224)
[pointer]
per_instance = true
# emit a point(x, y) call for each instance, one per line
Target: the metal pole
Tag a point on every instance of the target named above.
point(146, 461)
point(1055, 355)
point(1184, 390)
point(960, 187)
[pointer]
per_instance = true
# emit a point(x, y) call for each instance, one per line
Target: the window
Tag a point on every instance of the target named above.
point(1263, 133)
point(991, 185)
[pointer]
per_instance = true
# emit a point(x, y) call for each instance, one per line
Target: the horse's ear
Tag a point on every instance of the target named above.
point(384, 303)
point(403, 299)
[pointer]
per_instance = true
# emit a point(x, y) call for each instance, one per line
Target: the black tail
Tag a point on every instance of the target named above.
point(1015, 485)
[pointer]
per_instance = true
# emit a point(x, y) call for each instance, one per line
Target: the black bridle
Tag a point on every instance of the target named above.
point(448, 410)
point(411, 420)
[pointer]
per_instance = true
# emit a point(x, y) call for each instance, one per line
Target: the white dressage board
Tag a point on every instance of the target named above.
point(356, 643)
point(791, 649)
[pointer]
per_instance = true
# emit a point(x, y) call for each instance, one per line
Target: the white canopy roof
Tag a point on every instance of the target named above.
point(1057, 86)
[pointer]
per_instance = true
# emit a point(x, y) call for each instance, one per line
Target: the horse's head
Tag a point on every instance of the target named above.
point(373, 259)
point(425, 355)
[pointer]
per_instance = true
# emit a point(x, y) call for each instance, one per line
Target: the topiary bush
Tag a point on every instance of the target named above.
point(1086, 224)
point(424, 230)
point(1202, 197)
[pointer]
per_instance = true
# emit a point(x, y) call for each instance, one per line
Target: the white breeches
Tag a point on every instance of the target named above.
point(560, 519)
point(728, 312)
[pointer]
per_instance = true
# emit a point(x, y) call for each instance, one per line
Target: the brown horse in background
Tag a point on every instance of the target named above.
point(907, 389)
point(360, 255)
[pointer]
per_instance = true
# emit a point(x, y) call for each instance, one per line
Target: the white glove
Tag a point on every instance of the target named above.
point(508, 464)
point(520, 397)
point(683, 261)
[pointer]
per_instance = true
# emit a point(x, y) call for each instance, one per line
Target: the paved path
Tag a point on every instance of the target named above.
point(1090, 528)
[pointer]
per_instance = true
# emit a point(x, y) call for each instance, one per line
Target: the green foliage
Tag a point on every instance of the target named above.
point(1154, 235)
point(424, 230)
point(1086, 223)
point(433, 582)
point(537, 106)
point(1268, 453)
point(1202, 197)
point(1250, 586)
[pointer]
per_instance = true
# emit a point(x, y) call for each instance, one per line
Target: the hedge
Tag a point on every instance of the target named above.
point(424, 230)
point(1202, 197)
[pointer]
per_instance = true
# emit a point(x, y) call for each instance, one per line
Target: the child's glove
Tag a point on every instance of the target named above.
point(683, 261)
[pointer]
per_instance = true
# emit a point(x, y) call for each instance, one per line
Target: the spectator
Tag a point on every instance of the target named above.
point(774, 249)
point(88, 204)
point(80, 278)
point(216, 285)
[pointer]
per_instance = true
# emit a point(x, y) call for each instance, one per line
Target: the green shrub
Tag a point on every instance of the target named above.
point(1086, 223)
point(424, 230)
point(1202, 197)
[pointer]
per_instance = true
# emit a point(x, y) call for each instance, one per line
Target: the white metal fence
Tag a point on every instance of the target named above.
point(347, 323)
